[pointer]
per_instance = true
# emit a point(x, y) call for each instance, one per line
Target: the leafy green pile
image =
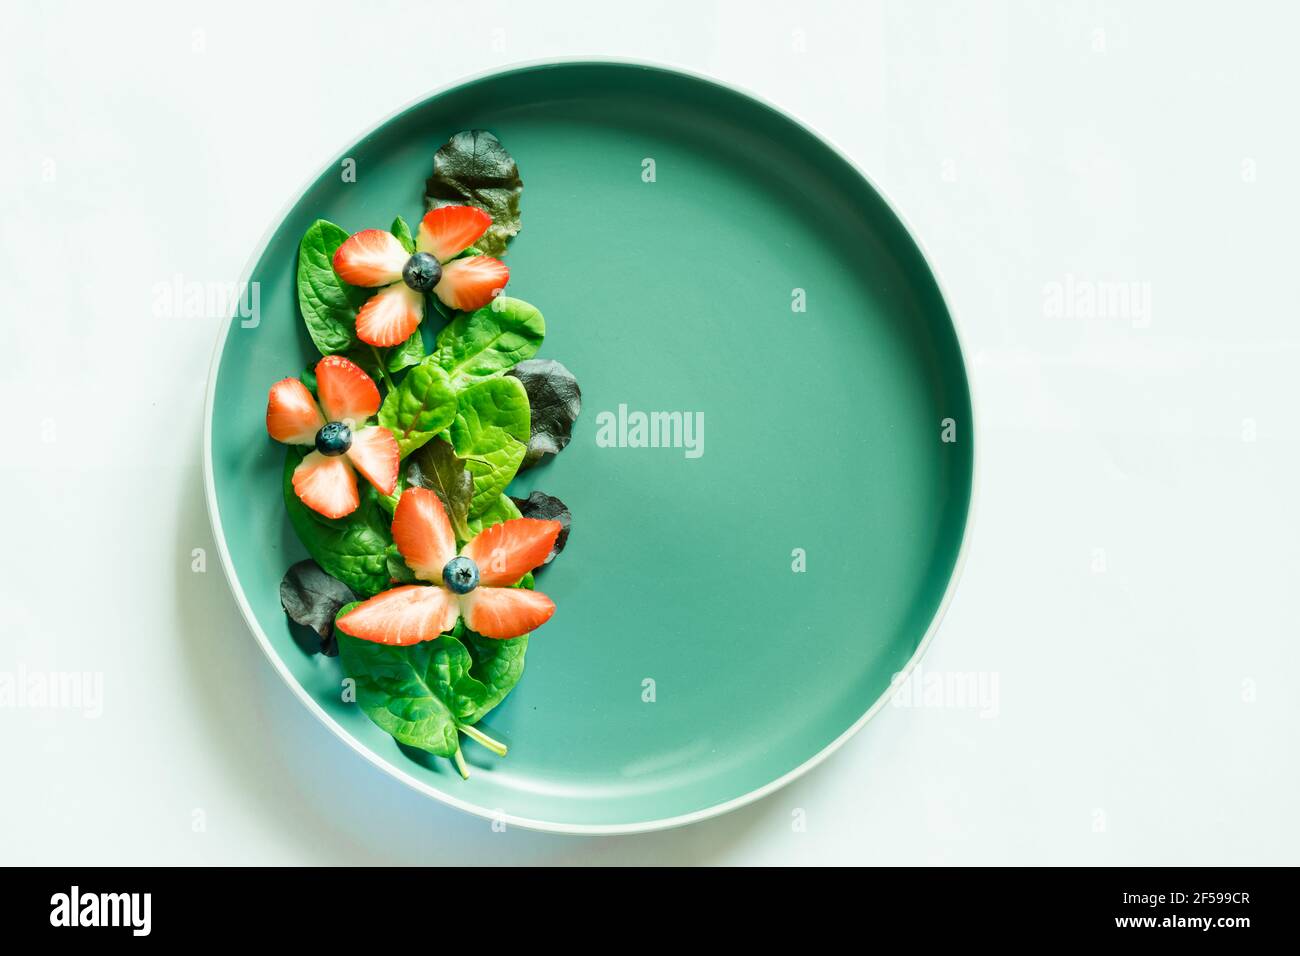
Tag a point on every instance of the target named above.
point(467, 415)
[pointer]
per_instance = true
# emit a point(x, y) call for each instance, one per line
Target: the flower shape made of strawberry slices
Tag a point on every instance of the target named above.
point(474, 584)
point(325, 479)
point(375, 257)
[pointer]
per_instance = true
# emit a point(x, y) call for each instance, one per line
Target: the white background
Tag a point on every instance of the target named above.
point(1132, 576)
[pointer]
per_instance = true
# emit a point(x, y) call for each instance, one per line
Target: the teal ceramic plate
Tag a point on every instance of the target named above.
point(728, 612)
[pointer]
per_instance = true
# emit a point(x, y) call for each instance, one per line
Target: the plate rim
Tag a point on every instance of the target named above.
point(550, 826)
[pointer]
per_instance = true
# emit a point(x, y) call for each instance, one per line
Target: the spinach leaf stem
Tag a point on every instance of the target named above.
point(383, 368)
point(473, 733)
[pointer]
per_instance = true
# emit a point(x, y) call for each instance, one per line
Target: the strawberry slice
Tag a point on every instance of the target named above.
point(405, 615)
point(326, 485)
point(291, 413)
point(423, 534)
point(370, 257)
point(471, 283)
point(507, 551)
point(374, 453)
point(346, 392)
point(505, 612)
point(451, 229)
point(390, 315)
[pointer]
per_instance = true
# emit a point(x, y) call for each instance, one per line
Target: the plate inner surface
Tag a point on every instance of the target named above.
point(821, 437)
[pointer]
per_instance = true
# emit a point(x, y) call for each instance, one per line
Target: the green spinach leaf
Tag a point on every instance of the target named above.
point(421, 694)
point(490, 340)
point(421, 407)
point(398, 569)
point(503, 509)
point(554, 402)
point(497, 665)
point(353, 549)
point(436, 467)
point(403, 233)
point(411, 352)
point(491, 433)
point(395, 359)
point(473, 168)
point(329, 305)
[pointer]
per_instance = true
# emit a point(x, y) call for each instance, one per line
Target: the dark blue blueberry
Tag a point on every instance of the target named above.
point(334, 439)
point(461, 575)
point(422, 272)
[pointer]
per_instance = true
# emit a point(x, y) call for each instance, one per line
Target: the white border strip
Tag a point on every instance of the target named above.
point(209, 487)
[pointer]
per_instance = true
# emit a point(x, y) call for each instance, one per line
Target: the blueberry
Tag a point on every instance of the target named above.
point(460, 575)
point(334, 439)
point(422, 272)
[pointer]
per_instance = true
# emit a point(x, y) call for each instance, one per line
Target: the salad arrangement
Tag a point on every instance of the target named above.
point(421, 576)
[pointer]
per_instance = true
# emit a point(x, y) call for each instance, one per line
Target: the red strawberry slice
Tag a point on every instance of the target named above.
point(451, 229)
point(505, 612)
point(506, 552)
point(346, 392)
point(326, 485)
point(390, 315)
point(423, 534)
point(405, 615)
point(370, 257)
point(471, 283)
point(291, 413)
point(375, 454)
